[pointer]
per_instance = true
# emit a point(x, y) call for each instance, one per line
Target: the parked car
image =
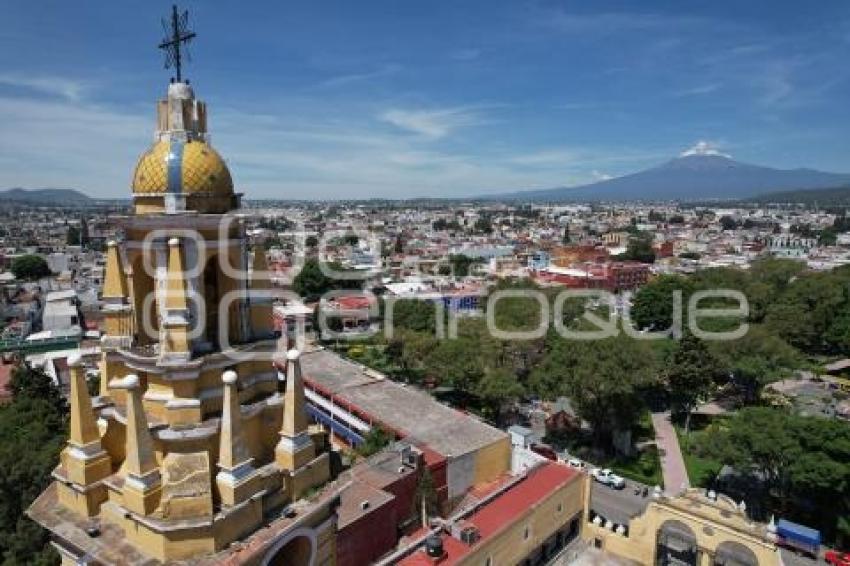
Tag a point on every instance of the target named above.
point(576, 463)
point(609, 478)
point(837, 558)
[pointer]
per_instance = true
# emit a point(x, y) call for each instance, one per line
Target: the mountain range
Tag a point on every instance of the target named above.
point(695, 175)
point(58, 197)
point(698, 174)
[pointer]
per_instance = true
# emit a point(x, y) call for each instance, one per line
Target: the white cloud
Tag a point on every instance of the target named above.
point(296, 148)
point(69, 89)
point(343, 80)
point(600, 176)
point(60, 143)
point(435, 123)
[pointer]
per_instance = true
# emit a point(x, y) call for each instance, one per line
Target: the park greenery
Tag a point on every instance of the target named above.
point(796, 320)
point(34, 429)
point(784, 464)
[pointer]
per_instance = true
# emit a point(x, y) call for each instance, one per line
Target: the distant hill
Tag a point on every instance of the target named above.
point(57, 197)
point(836, 196)
point(695, 175)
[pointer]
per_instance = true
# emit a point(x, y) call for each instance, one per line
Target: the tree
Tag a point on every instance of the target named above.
point(374, 441)
point(776, 272)
point(415, 347)
point(652, 307)
point(603, 378)
point(807, 309)
point(483, 225)
point(311, 282)
point(72, 238)
point(30, 267)
point(756, 359)
point(801, 462)
point(639, 249)
point(414, 314)
point(496, 388)
point(728, 223)
point(690, 376)
point(426, 494)
point(452, 362)
point(827, 237)
point(461, 264)
point(85, 238)
point(33, 426)
point(565, 239)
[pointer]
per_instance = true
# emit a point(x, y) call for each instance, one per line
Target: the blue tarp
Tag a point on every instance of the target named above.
point(798, 533)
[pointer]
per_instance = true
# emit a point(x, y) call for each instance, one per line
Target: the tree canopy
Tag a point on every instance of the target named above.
point(603, 378)
point(691, 375)
point(639, 248)
point(30, 267)
point(33, 426)
point(800, 461)
point(311, 282)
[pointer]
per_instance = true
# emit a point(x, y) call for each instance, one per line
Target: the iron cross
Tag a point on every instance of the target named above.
point(176, 33)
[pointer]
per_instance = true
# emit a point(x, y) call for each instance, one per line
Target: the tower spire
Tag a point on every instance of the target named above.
point(177, 33)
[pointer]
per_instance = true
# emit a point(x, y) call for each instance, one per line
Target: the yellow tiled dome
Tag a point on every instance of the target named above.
point(178, 167)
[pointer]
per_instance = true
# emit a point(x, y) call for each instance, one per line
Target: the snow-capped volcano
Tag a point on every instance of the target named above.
point(701, 172)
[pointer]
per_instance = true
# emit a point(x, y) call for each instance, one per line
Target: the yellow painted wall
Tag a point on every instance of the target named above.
point(540, 521)
point(492, 461)
point(708, 524)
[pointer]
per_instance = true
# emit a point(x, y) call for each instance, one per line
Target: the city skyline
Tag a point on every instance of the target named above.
point(419, 101)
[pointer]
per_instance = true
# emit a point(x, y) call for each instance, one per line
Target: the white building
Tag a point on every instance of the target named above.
point(61, 310)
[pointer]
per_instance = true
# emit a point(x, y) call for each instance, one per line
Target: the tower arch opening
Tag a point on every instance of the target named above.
point(676, 545)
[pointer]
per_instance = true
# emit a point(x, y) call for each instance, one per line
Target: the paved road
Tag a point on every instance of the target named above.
point(618, 505)
point(672, 464)
point(789, 558)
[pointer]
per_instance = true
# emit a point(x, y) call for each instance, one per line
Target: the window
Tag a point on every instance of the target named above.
point(560, 507)
point(488, 561)
point(525, 534)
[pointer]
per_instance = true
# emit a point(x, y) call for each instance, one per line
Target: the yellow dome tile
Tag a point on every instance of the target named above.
point(204, 171)
point(151, 175)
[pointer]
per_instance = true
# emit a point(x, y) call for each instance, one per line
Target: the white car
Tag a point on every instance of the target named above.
point(609, 478)
point(576, 463)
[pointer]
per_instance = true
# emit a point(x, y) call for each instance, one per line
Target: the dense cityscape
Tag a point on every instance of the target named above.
point(652, 368)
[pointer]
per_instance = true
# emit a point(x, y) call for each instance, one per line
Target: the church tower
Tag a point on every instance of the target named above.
point(189, 446)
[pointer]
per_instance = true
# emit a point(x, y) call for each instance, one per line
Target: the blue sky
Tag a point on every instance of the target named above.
point(398, 99)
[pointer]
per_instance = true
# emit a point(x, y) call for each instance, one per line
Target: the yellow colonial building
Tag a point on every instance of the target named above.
point(195, 441)
point(690, 528)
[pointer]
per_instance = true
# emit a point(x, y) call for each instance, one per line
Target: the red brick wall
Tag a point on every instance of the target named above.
point(368, 538)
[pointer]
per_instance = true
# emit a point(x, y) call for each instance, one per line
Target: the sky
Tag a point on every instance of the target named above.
point(402, 99)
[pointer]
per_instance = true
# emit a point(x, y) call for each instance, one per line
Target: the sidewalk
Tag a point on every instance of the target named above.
point(672, 463)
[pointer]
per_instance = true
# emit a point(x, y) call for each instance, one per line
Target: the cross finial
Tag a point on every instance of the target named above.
point(177, 32)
